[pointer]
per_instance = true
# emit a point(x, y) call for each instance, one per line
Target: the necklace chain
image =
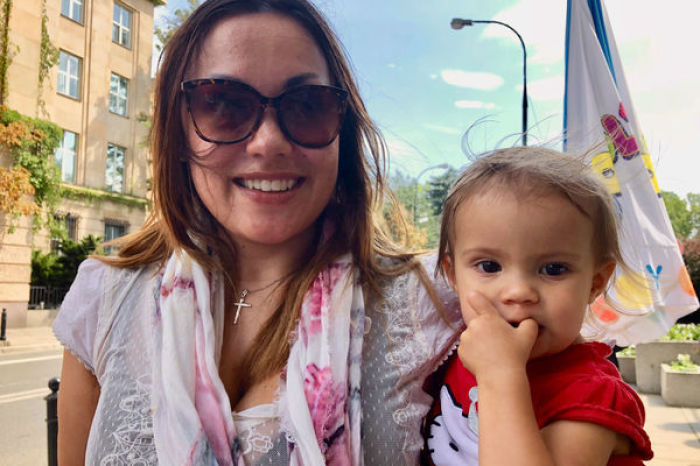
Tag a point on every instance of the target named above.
point(268, 285)
point(241, 303)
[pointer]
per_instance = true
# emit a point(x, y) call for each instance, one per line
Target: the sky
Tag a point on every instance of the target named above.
point(426, 84)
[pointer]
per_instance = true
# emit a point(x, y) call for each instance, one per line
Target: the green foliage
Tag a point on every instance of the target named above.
point(48, 57)
point(630, 352)
point(33, 143)
point(683, 213)
point(684, 364)
point(7, 49)
point(412, 198)
point(58, 269)
point(691, 256)
point(89, 195)
point(171, 23)
point(682, 332)
point(439, 187)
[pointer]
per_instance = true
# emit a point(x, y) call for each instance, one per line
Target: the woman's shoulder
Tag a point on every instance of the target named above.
point(420, 272)
point(89, 301)
point(423, 309)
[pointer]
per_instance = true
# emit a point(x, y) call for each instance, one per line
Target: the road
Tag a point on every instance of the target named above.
point(23, 385)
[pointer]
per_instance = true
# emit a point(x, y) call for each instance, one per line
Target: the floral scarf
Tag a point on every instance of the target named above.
point(192, 420)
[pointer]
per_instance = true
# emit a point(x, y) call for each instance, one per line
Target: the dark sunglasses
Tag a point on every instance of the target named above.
point(225, 111)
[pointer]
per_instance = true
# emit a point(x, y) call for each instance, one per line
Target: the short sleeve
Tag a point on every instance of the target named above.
point(75, 325)
point(592, 391)
point(611, 404)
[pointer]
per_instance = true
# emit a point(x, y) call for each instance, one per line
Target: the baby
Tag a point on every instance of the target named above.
point(528, 241)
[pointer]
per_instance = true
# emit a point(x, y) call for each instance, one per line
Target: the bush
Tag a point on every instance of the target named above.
point(58, 269)
point(691, 256)
point(682, 332)
point(630, 351)
point(684, 364)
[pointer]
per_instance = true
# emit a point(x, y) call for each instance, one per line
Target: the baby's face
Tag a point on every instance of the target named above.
point(532, 257)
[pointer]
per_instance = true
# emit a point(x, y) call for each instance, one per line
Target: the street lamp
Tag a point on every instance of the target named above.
point(444, 166)
point(459, 23)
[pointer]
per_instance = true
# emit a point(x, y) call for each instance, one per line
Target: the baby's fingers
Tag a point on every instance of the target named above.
point(480, 304)
point(527, 332)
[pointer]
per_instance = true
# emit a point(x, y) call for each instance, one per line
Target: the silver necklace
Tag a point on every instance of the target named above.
point(241, 298)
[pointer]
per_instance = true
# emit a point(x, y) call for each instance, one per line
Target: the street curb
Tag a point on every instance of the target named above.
point(29, 348)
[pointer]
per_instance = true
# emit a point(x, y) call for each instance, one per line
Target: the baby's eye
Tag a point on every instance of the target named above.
point(554, 269)
point(489, 266)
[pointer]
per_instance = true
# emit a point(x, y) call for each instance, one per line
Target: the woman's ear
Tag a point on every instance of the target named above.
point(449, 271)
point(601, 277)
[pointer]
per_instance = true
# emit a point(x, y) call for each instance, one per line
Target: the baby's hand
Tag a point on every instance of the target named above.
point(490, 344)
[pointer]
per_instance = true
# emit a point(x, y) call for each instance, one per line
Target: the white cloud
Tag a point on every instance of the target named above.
point(403, 155)
point(658, 55)
point(443, 129)
point(542, 29)
point(474, 104)
point(551, 88)
point(475, 80)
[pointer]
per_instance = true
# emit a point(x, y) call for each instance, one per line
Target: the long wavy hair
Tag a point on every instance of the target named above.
point(179, 219)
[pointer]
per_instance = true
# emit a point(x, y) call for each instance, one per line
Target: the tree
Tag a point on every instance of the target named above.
point(439, 187)
point(407, 192)
point(683, 213)
point(171, 23)
point(58, 269)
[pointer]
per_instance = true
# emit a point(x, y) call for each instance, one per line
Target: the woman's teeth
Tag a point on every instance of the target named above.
point(269, 185)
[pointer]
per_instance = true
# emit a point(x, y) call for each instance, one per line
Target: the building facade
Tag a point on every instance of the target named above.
point(98, 93)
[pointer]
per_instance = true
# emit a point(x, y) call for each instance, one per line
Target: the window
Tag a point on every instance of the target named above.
point(71, 228)
point(72, 9)
point(66, 155)
point(68, 74)
point(114, 173)
point(121, 26)
point(113, 229)
point(118, 94)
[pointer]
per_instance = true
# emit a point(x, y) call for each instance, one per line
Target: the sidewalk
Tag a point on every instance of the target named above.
point(28, 339)
point(674, 432)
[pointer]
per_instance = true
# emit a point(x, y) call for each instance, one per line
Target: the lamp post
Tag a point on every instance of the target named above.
point(444, 166)
point(459, 23)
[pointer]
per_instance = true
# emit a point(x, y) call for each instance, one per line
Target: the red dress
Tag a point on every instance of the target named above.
point(578, 384)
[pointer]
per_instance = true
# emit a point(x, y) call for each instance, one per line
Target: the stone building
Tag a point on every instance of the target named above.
point(96, 93)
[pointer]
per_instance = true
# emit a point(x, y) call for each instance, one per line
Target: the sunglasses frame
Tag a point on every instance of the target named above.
point(189, 85)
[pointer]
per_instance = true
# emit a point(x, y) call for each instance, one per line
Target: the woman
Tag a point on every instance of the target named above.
point(260, 315)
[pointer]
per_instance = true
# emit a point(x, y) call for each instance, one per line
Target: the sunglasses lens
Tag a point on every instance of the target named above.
point(223, 112)
point(311, 115)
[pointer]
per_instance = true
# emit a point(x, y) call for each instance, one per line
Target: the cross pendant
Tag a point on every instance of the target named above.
point(241, 303)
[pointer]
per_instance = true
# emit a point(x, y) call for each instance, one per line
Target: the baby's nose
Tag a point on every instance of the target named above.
point(519, 290)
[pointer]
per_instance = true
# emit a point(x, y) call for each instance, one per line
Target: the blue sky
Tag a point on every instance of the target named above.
point(425, 83)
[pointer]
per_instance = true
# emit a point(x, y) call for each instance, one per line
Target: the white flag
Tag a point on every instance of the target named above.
point(598, 113)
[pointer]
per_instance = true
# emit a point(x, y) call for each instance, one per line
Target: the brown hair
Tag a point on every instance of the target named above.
point(180, 220)
point(532, 171)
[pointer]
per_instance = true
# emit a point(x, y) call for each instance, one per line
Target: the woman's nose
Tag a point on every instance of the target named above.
point(268, 138)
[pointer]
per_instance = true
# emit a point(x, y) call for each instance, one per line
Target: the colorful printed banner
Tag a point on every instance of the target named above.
point(599, 120)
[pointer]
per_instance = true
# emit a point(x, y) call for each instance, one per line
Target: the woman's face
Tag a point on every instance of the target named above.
point(265, 190)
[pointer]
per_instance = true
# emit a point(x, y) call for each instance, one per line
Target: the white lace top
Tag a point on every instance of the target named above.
point(257, 429)
point(105, 322)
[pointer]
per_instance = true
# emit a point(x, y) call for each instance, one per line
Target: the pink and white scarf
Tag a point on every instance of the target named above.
point(192, 420)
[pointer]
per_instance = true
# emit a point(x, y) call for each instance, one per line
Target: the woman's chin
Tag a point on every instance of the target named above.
point(273, 236)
